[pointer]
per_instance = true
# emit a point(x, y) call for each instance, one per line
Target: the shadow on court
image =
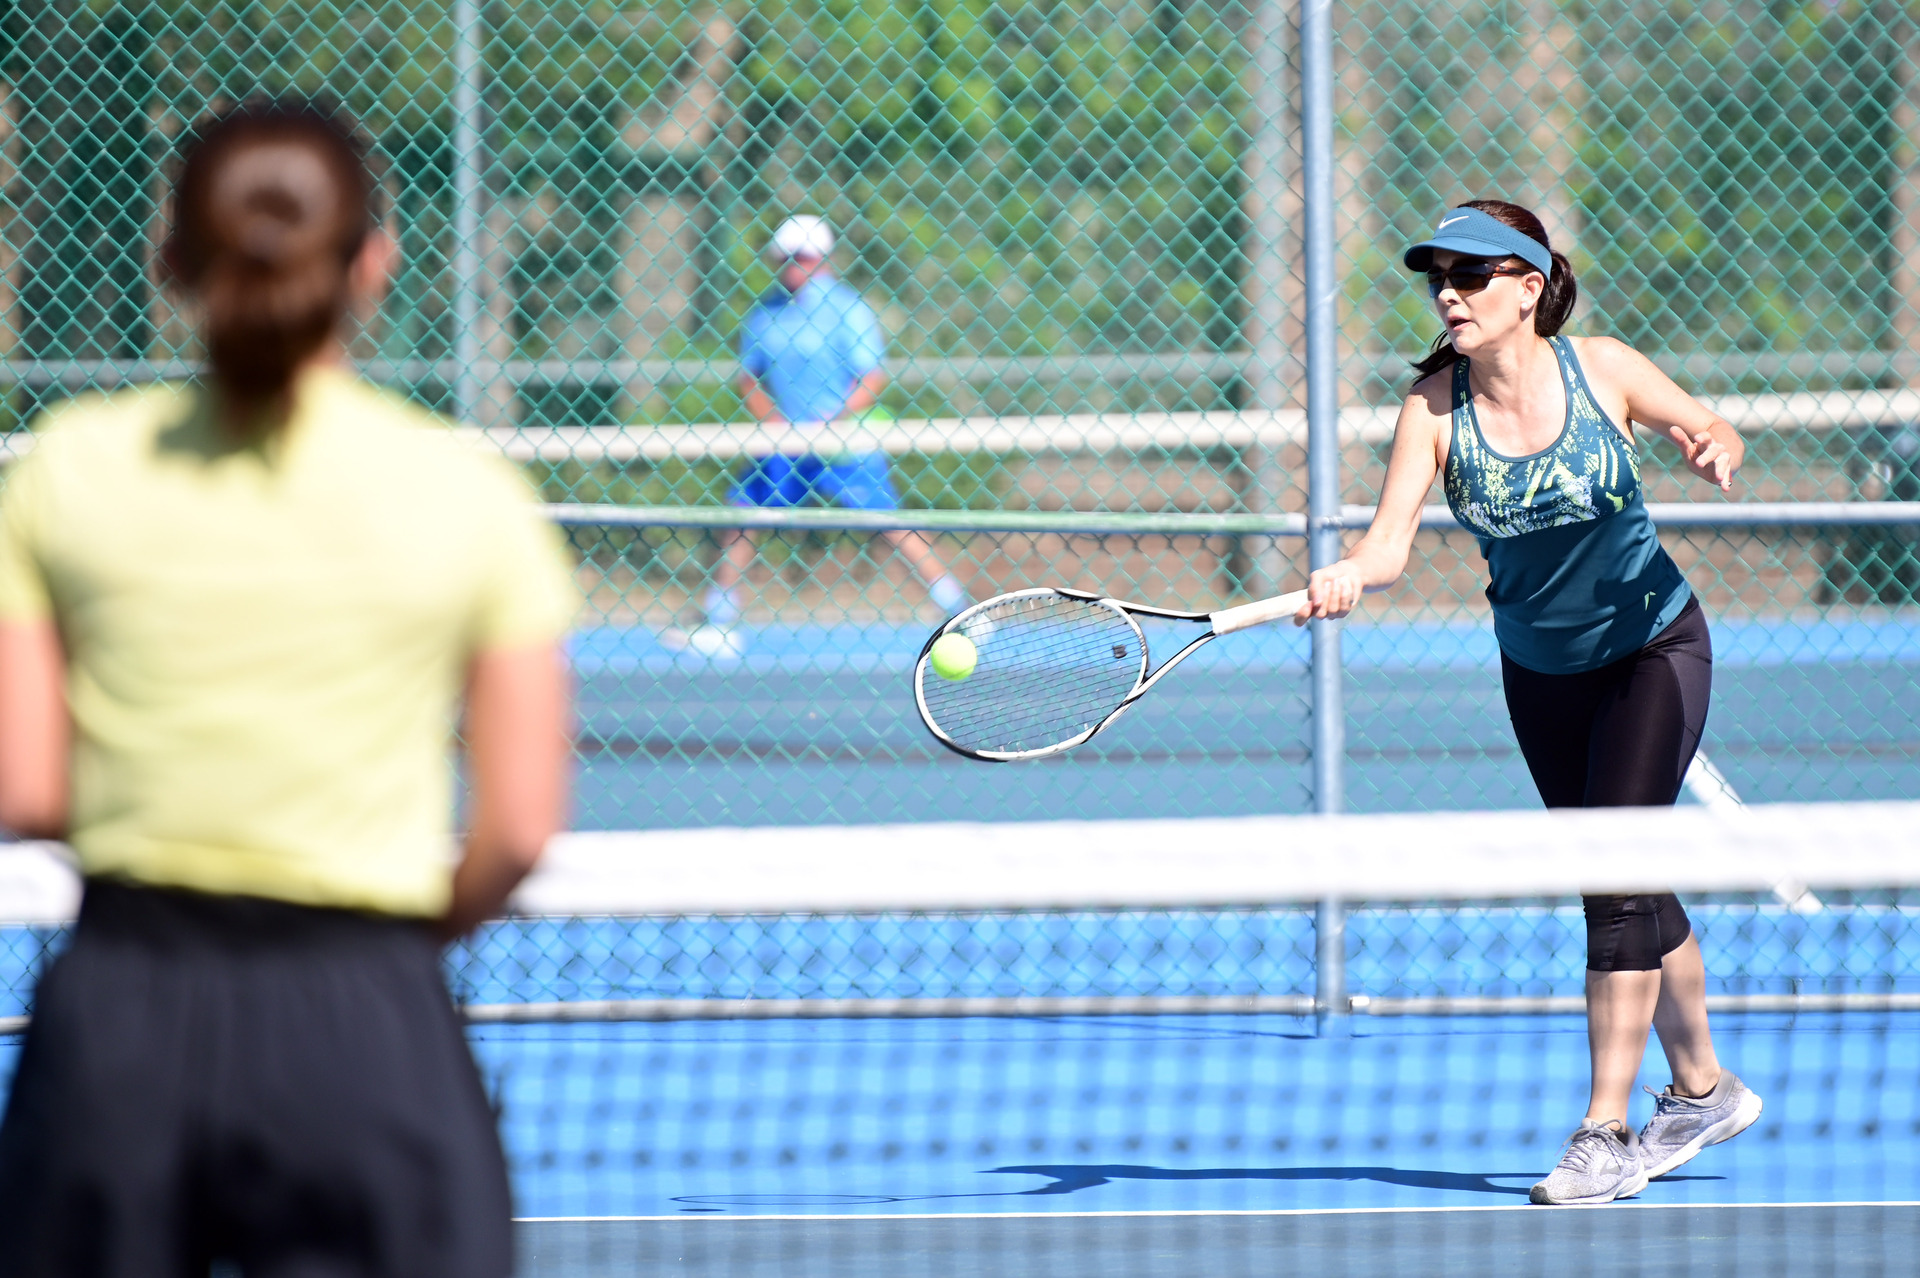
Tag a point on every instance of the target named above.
point(1070, 1179)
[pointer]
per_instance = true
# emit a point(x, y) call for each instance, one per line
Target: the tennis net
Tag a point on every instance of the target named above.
point(820, 1049)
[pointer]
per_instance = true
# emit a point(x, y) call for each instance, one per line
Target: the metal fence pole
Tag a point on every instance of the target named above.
point(1323, 471)
point(1332, 1003)
point(466, 209)
point(1269, 366)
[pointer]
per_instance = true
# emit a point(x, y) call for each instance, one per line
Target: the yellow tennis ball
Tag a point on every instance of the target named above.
point(954, 656)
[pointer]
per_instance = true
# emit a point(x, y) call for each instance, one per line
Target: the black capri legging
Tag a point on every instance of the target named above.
point(1620, 736)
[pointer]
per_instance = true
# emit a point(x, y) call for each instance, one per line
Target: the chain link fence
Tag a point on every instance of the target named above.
point(1506, 954)
point(1081, 227)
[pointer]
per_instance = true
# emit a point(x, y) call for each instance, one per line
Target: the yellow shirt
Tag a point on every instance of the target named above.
point(266, 644)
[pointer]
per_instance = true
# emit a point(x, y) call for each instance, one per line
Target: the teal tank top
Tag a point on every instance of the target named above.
point(1578, 578)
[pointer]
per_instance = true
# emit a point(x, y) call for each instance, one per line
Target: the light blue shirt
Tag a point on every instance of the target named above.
point(811, 348)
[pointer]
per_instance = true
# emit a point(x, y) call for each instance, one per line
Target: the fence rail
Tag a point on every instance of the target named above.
point(1756, 514)
point(1220, 368)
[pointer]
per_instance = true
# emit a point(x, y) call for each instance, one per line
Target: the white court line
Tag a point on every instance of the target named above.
point(1283, 1211)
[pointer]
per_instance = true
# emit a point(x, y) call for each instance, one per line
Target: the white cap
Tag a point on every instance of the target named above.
point(802, 236)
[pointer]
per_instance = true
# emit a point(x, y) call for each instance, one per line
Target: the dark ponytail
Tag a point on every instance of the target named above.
point(1553, 310)
point(273, 202)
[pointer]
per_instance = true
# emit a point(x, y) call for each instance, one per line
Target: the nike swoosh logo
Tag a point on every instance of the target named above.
point(1449, 222)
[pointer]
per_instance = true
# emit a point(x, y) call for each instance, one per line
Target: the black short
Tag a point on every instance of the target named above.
point(285, 1089)
point(1620, 736)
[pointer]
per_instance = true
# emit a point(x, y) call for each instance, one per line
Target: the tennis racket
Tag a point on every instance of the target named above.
point(1056, 666)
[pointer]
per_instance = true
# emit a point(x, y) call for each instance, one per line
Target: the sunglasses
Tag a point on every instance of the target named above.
point(1469, 277)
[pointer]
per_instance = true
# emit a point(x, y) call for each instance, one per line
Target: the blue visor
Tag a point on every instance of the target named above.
point(1481, 235)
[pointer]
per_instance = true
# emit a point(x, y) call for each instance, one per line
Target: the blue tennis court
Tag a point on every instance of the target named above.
point(1155, 1114)
point(1219, 1145)
point(1155, 1145)
point(816, 725)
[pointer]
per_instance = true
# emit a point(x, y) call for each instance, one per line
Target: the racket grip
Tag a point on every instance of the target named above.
point(1257, 613)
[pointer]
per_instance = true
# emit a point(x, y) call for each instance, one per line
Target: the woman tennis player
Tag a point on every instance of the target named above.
point(1603, 648)
point(237, 619)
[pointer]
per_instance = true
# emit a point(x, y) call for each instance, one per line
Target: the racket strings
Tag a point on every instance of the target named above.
point(1050, 669)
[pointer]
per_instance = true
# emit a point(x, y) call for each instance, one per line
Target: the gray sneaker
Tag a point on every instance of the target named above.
point(1602, 1163)
point(1682, 1126)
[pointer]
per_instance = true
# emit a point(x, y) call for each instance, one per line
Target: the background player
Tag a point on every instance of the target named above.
point(1604, 650)
point(811, 353)
point(231, 647)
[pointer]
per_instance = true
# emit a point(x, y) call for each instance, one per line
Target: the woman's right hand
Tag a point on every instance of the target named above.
point(1332, 592)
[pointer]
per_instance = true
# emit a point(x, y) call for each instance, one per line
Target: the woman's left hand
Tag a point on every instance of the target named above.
point(1706, 456)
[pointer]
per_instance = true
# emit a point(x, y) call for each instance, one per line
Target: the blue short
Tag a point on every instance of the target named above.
point(857, 483)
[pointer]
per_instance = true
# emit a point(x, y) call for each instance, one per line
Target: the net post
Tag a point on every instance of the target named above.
point(466, 210)
point(1332, 1005)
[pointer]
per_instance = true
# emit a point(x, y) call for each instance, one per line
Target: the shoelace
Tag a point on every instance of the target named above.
point(1664, 1103)
point(1587, 1144)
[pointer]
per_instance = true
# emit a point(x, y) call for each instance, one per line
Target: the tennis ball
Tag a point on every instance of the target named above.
point(954, 656)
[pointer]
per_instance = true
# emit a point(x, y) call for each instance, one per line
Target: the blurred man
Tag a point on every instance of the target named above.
point(810, 353)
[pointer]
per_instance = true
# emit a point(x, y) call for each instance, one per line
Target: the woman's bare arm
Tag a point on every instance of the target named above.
point(1712, 447)
point(518, 749)
point(35, 732)
point(1381, 556)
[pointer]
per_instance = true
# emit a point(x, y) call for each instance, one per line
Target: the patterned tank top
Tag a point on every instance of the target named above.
point(1578, 577)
